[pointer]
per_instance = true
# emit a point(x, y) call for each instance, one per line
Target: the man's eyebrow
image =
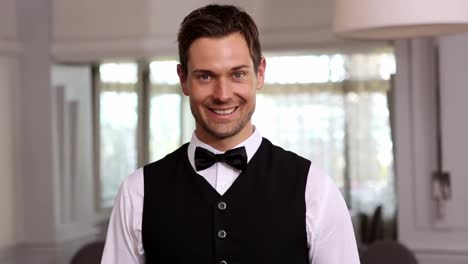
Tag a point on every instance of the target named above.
point(202, 71)
point(205, 71)
point(240, 67)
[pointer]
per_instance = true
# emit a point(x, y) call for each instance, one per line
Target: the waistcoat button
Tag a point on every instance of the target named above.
point(222, 234)
point(222, 206)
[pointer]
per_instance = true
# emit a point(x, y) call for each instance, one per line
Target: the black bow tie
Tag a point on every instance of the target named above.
point(236, 158)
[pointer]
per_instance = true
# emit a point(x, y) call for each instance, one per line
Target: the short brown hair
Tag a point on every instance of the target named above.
point(218, 21)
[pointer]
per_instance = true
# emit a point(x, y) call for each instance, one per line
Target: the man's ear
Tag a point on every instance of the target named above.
point(261, 73)
point(182, 79)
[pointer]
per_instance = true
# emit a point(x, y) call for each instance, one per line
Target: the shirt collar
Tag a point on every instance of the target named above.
point(251, 145)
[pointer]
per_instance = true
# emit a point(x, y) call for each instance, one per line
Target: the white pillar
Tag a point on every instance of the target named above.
point(36, 164)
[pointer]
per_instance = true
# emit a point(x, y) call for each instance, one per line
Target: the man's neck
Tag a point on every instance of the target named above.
point(225, 144)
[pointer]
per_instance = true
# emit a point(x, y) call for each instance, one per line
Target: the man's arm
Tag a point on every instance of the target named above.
point(123, 241)
point(331, 233)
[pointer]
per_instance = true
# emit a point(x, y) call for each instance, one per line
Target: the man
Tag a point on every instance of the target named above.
point(229, 196)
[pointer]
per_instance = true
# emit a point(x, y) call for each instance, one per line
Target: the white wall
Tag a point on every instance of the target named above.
point(74, 187)
point(454, 83)
point(8, 44)
point(99, 28)
point(7, 21)
point(7, 173)
point(434, 241)
point(35, 126)
point(8, 28)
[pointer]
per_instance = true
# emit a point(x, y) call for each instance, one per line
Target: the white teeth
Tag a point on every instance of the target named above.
point(224, 112)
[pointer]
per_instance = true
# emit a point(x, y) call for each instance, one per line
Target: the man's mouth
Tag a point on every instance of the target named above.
point(224, 111)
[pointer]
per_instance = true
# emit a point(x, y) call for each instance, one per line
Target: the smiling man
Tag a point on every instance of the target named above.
point(221, 81)
point(228, 196)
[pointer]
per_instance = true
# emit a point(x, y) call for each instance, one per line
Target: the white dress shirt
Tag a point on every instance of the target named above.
point(330, 234)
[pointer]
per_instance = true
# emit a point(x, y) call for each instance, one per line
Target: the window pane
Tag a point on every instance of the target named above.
point(278, 69)
point(370, 149)
point(165, 109)
point(118, 126)
point(312, 125)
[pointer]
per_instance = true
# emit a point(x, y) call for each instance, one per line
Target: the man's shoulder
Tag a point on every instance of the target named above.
point(169, 160)
point(132, 185)
point(285, 152)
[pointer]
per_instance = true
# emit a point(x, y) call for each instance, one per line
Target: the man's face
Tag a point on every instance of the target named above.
point(221, 83)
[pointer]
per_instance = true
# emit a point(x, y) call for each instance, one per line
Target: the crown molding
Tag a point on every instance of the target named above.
point(120, 48)
point(88, 50)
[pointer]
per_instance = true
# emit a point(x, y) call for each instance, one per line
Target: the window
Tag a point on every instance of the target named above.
point(331, 109)
point(118, 116)
point(170, 124)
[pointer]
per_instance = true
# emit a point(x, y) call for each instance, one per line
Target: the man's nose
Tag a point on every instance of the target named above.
point(223, 90)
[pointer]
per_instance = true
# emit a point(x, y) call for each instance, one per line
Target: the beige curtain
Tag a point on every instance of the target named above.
point(342, 127)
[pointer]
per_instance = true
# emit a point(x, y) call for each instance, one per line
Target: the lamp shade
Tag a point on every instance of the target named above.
point(396, 19)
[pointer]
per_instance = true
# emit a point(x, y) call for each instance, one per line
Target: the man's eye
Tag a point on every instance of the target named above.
point(204, 77)
point(238, 75)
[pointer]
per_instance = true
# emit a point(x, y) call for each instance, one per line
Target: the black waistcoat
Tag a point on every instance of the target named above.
point(260, 219)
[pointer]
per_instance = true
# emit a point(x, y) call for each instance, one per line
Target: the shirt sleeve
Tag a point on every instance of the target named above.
point(329, 229)
point(123, 241)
